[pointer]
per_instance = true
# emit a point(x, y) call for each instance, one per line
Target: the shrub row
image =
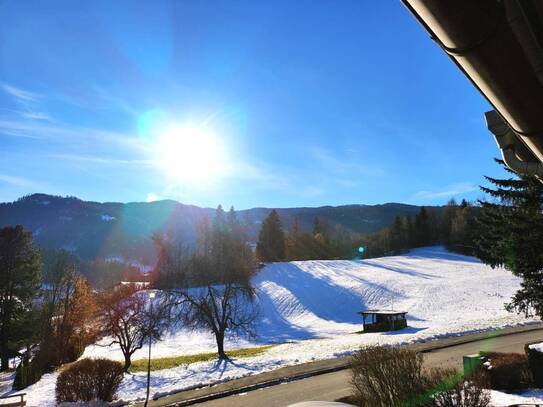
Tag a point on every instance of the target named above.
point(45, 359)
point(535, 362)
point(88, 380)
point(512, 371)
point(393, 377)
point(506, 371)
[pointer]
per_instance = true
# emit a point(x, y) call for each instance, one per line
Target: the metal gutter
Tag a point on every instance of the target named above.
point(515, 155)
point(479, 39)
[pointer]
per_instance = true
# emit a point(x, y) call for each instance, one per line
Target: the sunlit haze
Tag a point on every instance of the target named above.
point(190, 155)
point(275, 104)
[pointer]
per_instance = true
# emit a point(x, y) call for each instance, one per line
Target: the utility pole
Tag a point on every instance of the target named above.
point(151, 298)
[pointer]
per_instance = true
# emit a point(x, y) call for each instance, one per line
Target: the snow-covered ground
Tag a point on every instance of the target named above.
point(501, 399)
point(537, 346)
point(310, 310)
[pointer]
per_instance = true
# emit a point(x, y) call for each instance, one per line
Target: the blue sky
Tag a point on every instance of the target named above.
point(308, 103)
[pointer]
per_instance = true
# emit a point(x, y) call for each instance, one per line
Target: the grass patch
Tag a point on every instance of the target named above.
point(140, 365)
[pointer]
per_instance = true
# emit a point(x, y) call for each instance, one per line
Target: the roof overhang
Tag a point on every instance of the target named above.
point(498, 45)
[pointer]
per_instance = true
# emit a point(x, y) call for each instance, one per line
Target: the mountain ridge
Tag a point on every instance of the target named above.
point(93, 229)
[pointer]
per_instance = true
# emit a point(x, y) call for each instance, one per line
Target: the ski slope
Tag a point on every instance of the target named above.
point(309, 309)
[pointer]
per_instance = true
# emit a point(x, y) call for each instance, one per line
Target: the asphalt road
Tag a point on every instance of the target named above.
point(332, 386)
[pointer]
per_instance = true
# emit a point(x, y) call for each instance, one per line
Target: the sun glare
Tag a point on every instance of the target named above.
point(190, 155)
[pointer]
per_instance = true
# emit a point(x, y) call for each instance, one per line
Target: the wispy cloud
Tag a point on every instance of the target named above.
point(18, 181)
point(104, 160)
point(63, 133)
point(36, 116)
point(27, 102)
point(21, 95)
point(448, 192)
point(262, 176)
point(342, 164)
point(109, 100)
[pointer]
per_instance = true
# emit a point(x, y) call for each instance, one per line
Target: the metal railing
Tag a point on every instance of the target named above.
point(20, 403)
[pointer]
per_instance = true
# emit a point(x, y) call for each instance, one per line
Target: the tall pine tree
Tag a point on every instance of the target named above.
point(271, 239)
point(511, 235)
point(19, 286)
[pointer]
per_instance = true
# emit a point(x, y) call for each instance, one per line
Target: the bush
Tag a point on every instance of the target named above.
point(387, 377)
point(393, 377)
point(506, 371)
point(89, 379)
point(535, 362)
point(451, 389)
point(28, 372)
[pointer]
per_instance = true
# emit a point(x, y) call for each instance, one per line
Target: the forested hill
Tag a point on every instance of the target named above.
point(95, 230)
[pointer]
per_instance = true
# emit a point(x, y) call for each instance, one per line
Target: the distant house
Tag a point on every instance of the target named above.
point(137, 285)
point(383, 320)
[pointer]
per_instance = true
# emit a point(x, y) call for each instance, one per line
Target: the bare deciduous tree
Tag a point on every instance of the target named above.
point(220, 308)
point(128, 321)
point(216, 291)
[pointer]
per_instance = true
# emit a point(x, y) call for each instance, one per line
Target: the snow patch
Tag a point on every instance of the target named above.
point(527, 397)
point(537, 347)
point(108, 218)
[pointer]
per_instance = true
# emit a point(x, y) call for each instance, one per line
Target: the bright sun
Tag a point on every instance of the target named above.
point(190, 155)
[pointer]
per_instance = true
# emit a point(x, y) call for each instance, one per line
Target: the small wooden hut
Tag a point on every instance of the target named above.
point(383, 320)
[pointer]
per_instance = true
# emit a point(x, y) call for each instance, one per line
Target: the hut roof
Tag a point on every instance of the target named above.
point(382, 312)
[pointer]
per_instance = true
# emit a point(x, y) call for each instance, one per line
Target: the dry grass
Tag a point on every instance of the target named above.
point(140, 365)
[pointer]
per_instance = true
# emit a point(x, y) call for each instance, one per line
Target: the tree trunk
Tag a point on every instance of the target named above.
point(127, 362)
point(4, 354)
point(4, 365)
point(219, 336)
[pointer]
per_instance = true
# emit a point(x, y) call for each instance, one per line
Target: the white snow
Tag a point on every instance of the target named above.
point(144, 268)
point(6, 380)
point(309, 309)
point(112, 259)
point(501, 399)
point(108, 218)
point(537, 346)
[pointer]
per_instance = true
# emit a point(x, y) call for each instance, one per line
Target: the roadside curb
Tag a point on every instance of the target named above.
point(342, 363)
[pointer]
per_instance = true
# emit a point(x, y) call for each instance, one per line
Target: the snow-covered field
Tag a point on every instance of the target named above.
point(310, 310)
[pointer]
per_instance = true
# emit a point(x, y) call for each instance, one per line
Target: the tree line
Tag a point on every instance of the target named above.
point(454, 226)
point(49, 312)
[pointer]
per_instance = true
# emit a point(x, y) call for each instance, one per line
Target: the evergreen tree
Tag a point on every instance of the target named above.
point(410, 232)
point(271, 239)
point(446, 222)
point(463, 229)
point(19, 286)
point(422, 228)
point(317, 227)
point(511, 235)
point(293, 241)
point(397, 236)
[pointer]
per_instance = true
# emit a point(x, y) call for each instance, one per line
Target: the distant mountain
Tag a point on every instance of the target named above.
point(99, 230)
